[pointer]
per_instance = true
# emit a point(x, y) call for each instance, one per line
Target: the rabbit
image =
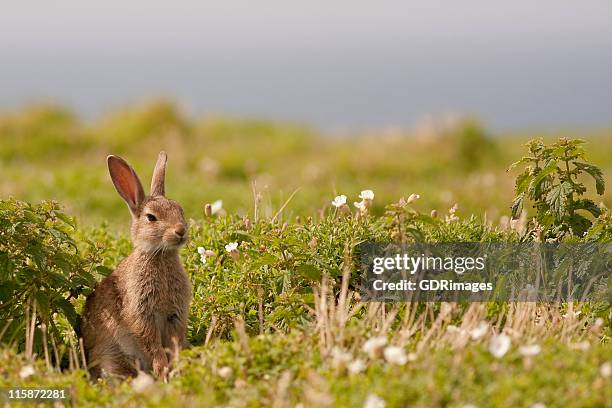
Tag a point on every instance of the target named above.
point(136, 318)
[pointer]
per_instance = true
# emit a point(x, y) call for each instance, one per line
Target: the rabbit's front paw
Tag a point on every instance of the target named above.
point(160, 365)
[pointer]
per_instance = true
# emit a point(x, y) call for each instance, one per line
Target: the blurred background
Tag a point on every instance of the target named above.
point(518, 65)
point(330, 97)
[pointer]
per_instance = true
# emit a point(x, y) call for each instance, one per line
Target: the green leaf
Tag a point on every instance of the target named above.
point(596, 173)
point(43, 303)
point(522, 182)
point(5, 266)
point(518, 162)
point(588, 205)
point(594, 232)
point(579, 224)
point(68, 310)
point(36, 251)
point(309, 272)
point(103, 270)
point(6, 291)
point(517, 205)
point(63, 262)
point(535, 186)
point(557, 198)
point(71, 221)
point(84, 278)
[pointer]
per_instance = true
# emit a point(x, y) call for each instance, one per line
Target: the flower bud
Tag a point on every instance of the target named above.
point(412, 198)
point(207, 209)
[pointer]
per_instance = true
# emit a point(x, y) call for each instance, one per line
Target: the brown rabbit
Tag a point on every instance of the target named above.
point(137, 316)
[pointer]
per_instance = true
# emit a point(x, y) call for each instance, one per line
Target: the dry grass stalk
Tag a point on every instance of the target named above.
point(71, 365)
point(75, 355)
point(30, 326)
point(55, 353)
point(45, 347)
point(435, 329)
point(321, 314)
point(211, 329)
point(256, 200)
point(260, 311)
point(243, 337)
point(5, 328)
point(331, 315)
point(83, 359)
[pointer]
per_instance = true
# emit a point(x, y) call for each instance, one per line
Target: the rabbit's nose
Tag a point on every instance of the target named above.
point(180, 231)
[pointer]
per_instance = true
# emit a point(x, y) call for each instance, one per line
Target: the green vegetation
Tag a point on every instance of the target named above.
point(552, 181)
point(48, 153)
point(40, 271)
point(277, 321)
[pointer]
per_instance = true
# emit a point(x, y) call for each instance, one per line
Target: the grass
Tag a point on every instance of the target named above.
point(47, 153)
point(283, 372)
point(281, 325)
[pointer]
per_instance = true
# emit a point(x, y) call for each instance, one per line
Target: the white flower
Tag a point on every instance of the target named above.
point(469, 406)
point(142, 382)
point(367, 195)
point(232, 246)
point(606, 370)
point(452, 216)
point(356, 366)
point(373, 346)
point(225, 372)
point(571, 315)
point(412, 198)
point(479, 331)
point(499, 345)
point(26, 371)
point(395, 355)
point(530, 351)
point(538, 405)
point(374, 401)
point(339, 201)
point(216, 207)
point(204, 253)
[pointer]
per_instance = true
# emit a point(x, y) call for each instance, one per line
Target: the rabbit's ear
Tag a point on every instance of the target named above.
point(126, 182)
point(158, 182)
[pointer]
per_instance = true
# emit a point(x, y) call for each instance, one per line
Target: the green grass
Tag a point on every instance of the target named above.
point(47, 153)
point(559, 376)
point(267, 328)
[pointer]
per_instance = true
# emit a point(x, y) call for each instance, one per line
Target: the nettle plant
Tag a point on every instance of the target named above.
point(42, 275)
point(553, 181)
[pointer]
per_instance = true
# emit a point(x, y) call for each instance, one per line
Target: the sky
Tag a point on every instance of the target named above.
point(331, 64)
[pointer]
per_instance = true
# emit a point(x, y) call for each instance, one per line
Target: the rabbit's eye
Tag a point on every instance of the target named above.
point(151, 217)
